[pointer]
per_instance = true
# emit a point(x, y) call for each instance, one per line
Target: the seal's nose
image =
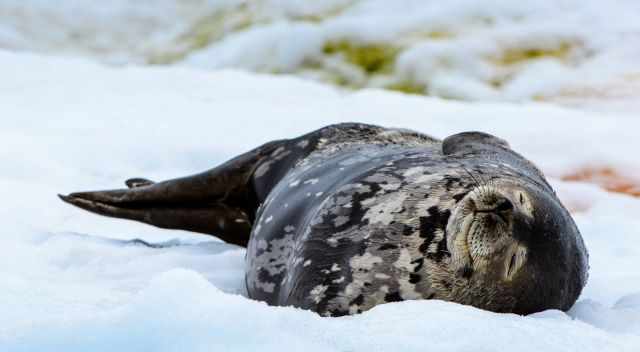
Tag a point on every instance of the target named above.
point(503, 209)
point(504, 205)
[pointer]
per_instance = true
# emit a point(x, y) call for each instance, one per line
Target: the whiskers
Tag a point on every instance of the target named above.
point(483, 185)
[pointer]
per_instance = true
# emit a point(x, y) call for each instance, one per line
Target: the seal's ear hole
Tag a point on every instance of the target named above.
point(472, 141)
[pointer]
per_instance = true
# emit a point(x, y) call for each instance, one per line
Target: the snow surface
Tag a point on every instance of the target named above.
point(73, 281)
point(565, 51)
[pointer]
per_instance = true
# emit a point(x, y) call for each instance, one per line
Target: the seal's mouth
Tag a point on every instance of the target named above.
point(479, 247)
point(458, 228)
point(479, 231)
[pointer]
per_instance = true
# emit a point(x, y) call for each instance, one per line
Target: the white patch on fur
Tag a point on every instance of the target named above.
point(383, 212)
point(265, 286)
point(340, 220)
point(407, 289)
point(311, 181)
point(365, 261)
point(381, 276)
point(416, 170)
point(317, 293)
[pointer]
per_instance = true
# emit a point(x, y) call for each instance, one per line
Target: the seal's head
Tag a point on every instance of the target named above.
point(513, 246)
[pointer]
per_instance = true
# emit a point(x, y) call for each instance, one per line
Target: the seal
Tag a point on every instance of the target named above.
point(350, 216)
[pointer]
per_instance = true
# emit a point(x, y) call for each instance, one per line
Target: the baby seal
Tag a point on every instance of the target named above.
point(352, 215)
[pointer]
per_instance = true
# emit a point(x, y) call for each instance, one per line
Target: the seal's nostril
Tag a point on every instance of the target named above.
point(504, 205)
point(503, 209)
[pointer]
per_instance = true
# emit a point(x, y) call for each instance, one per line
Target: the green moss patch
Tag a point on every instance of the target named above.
point(207, 30)
point(372, 58)
point(515, 56)
point(407, 88)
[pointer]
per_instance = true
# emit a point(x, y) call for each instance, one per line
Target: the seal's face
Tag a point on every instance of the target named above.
point(518, 244)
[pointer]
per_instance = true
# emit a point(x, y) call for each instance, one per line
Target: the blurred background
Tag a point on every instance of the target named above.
point(577, 53)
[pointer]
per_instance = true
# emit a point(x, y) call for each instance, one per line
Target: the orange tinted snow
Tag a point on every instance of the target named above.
point(607, 178)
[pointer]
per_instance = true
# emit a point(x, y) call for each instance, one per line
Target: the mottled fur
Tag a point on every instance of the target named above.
point(351, 216)
point(374, 204)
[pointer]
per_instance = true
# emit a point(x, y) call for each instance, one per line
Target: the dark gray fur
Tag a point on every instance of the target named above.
point(351, 216)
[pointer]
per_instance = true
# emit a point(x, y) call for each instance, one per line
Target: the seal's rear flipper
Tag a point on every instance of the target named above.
point(220, 202)
point(230, 224)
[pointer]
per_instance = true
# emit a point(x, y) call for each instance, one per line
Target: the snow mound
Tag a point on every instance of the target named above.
point(179, 310)
point(573, 52)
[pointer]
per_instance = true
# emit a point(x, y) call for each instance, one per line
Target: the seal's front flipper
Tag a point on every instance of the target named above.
point(138, 182)
point(220, 202)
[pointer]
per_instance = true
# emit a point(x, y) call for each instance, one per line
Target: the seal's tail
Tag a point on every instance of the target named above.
point(219, 202)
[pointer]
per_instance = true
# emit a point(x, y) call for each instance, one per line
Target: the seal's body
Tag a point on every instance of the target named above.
point(352, 215)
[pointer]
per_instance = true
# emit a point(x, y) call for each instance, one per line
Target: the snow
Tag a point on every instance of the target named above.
point(173, 101)
point(196, 316)
point(568, 52)
point(74, 281)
